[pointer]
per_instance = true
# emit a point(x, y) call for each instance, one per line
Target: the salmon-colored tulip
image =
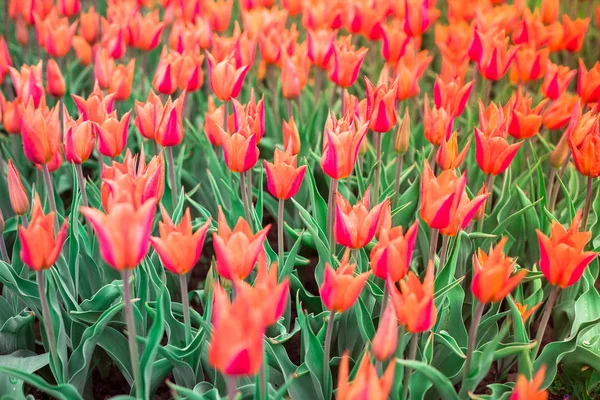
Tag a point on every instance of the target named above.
point(492, 280)
point(451, 96)
point(181, 71)
point(448, 156)
point(409, 70)
point(96, 107)
point(41, 133)
point(213, 121)
point(355, 225)
point(83, 50)
point(54, 164)
point(40, 247)
point(123, 246)
point(418, 16)
point(225, 79)
point(381, 106)
point(5, 60)
point(402, 141)
point(122, 80)
point(178, 247)
point(413, 303)
point(588, 83)
point(493, 152)
point(317, 14)
point(390, 257)
point(240, 148)
point(149, 116)
point(440, 196)
point(530, 65)
point(340, 146)
point(28, 84)
point(496, 57)
point(340, 288)
point(437, 123)
point(385, 340)
point(79, 139)
point(19, 200)
point(104, 67)
point(55, 81)
point(525, 121)
point(237, 250)
point(191, 36)
point(463, 211)
point(89, 25)
point(237, 338)
point(283, 176)
point(574, 32)
point(550, 11)
point(11, 115)
point(113, 39)
point(558, 113)
point(144, 31)
point(220, 14)
point(346, 62)
point(584, 140)
point(366, 381)
point(68, 8)
point(556, 80)
point(562, 256)
point(112, 134)
point(251, 114)
point(526, 390)
point(170, 129)
point(57, 35)
point(492, 117)
point(394, 42)
point(320, 47)
point(291, 137)
point(561, 152)
point(290, 77)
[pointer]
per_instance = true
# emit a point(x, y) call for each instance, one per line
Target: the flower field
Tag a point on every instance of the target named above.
point(299, 199)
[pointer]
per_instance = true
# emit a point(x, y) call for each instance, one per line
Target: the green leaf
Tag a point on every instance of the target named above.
point(440, 382)
point(59, 392)
point(22, 360)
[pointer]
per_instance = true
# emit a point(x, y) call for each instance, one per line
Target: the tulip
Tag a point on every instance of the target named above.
point(96, 107)
point(83, 50)
point(320, 47)
point(11, 115)
point(220, 14)
point(451, 96)
point(355, 226)
point(418, 16)
point(68, 8)
point(530, 65)
point(213, 120)
point(57, 35)
point(19, 200)
point(390, 257)
point(122, 80)
point(149, 116)
point(525, 390)
point(558, 113)
point(588, 83)
point(525, 311)
point(236, 343)
point(448, 156)
point(366, 381)
point(240, 149)
point(493, 153)
point(550, 11)
point(291, 137)
point(381, 106)
point(112, 134)
point(402, 141)
point(462, 213)
point(496, 57)
point(144, 31)
point(55, 81)
point(437, 123)
point(556, 80)
point(21, 32)
point(340, 288)
point(113, 39)
point(409, 71)
point(413, 303)
point(385, 340)
point(236, 251)
point(283, 177)
point(346, 62)
point(170, 129)
point(340, 146)
point(586, 155)
point(453, 40)
point(394, 42)
point(89, 25)
point(190, 36)
point(79, 139)
point(252, 114)
point(28, 84)
point(5, 60)
point(574, 32)
point(225, 79)
point(178, 71)
point(525, 121)
point(41, 133)
point(562, 256)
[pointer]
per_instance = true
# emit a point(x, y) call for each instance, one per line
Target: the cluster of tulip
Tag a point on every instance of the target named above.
point(483, 39)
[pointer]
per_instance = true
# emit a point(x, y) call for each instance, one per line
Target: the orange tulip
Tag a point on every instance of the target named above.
point(11, 115)
point(144, 31)
point(418, 16)
point(251, 114)
point(530, 65)
point(394, 42)
point(525, 311)
point(123, 246)
point(584, 141)
point(463, 211)
point(283, 177)
point(219, 14)
point(225, 79)
point(55, 81)
point(240, 148)
point(113, 39)
point(363, 18)
point(550, 11)
point(293, 7)
point(191, 36)
point(181, 71)
point(413, 303)
point(213, 121)
point(291, 85)
point(381, 106)
point(437, 123)
point(574, 32)
point(104, 67)
point(525, 390)
point(79, 139)
point(340, 145)
point(452, 95)
point(149, 116)
point(453, 41)
point(41, 133)
point(122, 80)
point(68, 8)
point(525, 122)
point(178, 247)
point(346, 62)
point(40, 247)
point(492, 280)
point(366, 381)
point(558, 113)
point(409, 71)
point(390, 257)
point(236, 342)
point(19, 200)
point(112, 134)
point(448, 156)
point(237, 251)
point(5, 60)
point(55, 34)
point(496, 57)
point(291, 137)
point(440, 196)
point(28, 84)
point(581, 125)
point(556, 80)
point(83, 50)
point(556, 32)
point(588, 83)
point(320, 47)
point(355, 225)
point(493, 117)
point(55, 162)
point(21, 32)
point(96, 107)
point(530, 31)
point(340, 288)
point(317, 14)
point(402, 141)
point(170, 129)
point(492, 152)
point(89, 25)
point(385, 340)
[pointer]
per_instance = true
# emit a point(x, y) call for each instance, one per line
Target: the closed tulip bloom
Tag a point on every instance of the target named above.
point(581, 125)
point(492, 280)
point(403, 134)
point(340, 288)
point(530, 65)
point(346, 62)
point(394, 42)
point(96, 107)
point(21, 32)
point(440, 196)
point(11, 115)
point(68, 8)
point(220, 14)
point(381, 106)
point(463, 211)
point(448, 156)
point(437, 123)
point(496, 57)
point(355, 225)
point(55, 81)
point(240, 148)
point(409, 71)
point(493, 153)
point(291, 137)
point(144, 30)
point(178, 247)
point(104, 67)
point(83, 50)
point(588, 83)
point(148, 116)
point(5, 60)
point(113, 39)
point(413, 303)
point(556, 80)
point(561, 152)
point(562, 256)
point(586, 153)
point(112, 134)
point(390, 257)
point(558, 113)
point(320, 47)
point(89, 25)
point(28, 84)
point(237, 250)
point(550, 12)
point(170, 131)
point(385, 340)
point(122, 80)
point(123, 246)
point(41, 133)
point(340, 146)
point(283, 177)
point(366, 381)
point(526, 390)
point(225, 79)
point(79, 139)
point(237, 338)
point(19, 200)
point(526, 120)
point(40, 248)
point(451, 96)
point(267, 295)
point(418, 16)
point(574, 32)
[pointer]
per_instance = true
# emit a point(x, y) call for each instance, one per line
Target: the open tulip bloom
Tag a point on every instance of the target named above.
point(299, 199)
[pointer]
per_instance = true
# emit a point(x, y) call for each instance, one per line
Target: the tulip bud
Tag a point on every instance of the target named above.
point(385, 340)
point(2, 226)
point(54, 80)
point(19, 201)
point(291, 137)
point(83, 50)
point(560, 152)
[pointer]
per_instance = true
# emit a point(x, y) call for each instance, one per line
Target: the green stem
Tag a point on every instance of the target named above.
point(550, 187)
point(185, 302)
point(245, 198)
point(262, 381)
point(81, 183)
point(443, 252)
point(588, 205)
point(131, 336)
point(544, 321)
point(433, 245)
point(46, 317)
point(412, 354)
point(397, 181)
point(384, 300)
point(169, 151)
point(327, 350)
point(331, 213)
point(225, 116)
point(472, 342)
point(231, 387)
point(378, 144)
point(280, 248)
